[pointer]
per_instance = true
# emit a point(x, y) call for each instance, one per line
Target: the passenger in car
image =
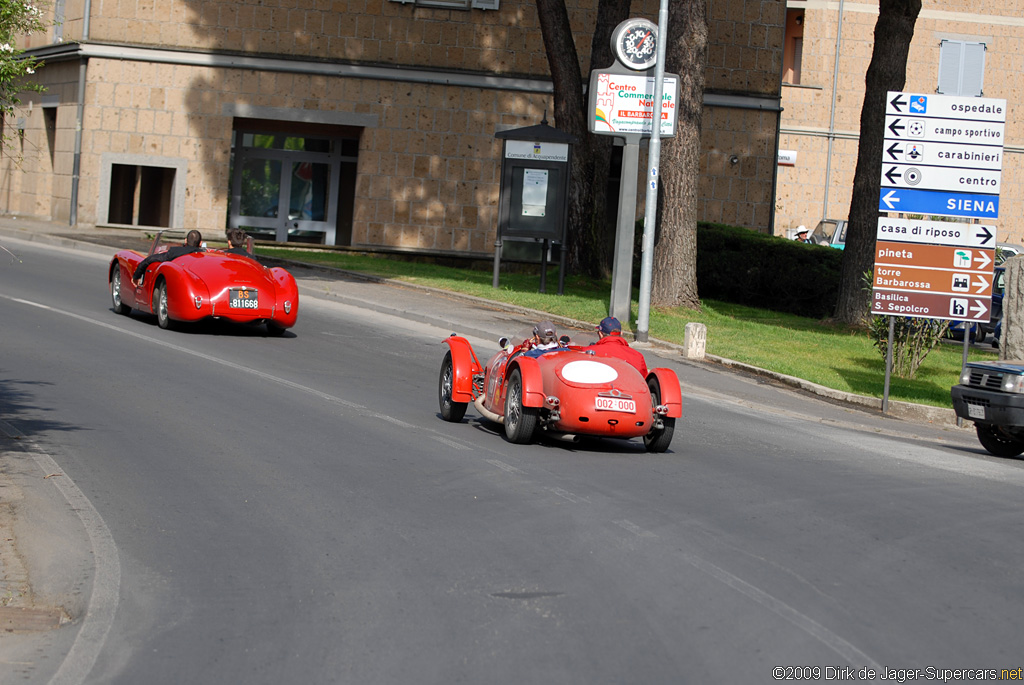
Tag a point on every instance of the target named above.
point(544, 340)
point(193, 242)
point(238, 242)
point(610, 343)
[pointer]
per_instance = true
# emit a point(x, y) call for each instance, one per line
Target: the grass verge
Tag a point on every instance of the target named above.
point(837, 357)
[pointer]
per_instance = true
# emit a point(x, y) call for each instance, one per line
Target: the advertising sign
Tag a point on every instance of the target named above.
point(624, 103)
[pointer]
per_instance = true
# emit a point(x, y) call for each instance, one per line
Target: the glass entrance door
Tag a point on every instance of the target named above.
point(285, 187)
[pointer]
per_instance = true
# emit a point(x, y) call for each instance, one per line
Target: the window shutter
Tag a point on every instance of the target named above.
point(972, 81)
point(484, 4)
point(950, 52)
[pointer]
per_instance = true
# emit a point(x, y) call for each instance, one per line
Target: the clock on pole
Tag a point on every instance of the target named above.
point(635, 43)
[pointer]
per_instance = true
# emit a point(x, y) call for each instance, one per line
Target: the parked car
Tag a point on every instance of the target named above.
point(991, 394)
point(196, 286)
point(563, 393)
point(1006, 250)
point(831, 232)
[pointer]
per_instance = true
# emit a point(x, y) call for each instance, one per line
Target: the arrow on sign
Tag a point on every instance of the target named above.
point(894, 128)
point(895, 150)
point(980, 283)
point(892, 174)
point(984, 259)
point(897, 102)
point(979, 308)
point(985, 235)
point(889, 199)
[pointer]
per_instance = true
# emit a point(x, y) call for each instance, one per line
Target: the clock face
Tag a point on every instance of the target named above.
point(635, 42)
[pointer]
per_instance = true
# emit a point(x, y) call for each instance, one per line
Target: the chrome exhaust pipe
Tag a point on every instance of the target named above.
point(487, 413)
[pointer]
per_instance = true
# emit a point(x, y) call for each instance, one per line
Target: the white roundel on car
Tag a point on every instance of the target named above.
point(588, 372)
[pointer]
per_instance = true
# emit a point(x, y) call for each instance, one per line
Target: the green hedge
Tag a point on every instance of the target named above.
point(742, 266)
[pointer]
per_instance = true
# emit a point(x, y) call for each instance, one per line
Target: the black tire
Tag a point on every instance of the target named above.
point(659, 439)
point(450, 411)
point(520, 421)
point(997, 442)
point(275, 331)
point(163, 319)
point(115, 291)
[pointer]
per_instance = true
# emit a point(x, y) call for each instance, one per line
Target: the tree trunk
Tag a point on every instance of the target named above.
point(674, 277)
point(610, 13)
point(570, 108)
point(888, 71)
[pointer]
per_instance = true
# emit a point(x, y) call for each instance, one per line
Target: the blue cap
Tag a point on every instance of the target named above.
point(609, 324)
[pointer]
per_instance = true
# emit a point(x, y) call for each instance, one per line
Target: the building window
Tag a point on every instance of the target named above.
point(793, 49)
point(961, 68)
point(140, 195)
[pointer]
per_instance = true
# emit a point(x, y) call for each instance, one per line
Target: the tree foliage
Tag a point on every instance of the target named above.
point(17, 18)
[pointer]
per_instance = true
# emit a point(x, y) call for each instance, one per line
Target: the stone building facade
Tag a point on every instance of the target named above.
point(368, 123)
point(827, 51)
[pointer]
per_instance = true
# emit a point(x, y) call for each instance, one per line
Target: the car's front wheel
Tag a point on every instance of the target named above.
point(520, 421)
point(115, 292)
point(450, 410)
point(997, 442)
point(163, 319)
point(659, 439)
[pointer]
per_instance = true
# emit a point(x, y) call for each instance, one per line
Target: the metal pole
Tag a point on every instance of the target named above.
point(622, 266)
point(967, 338)
point(651, 201)
point(888, 364)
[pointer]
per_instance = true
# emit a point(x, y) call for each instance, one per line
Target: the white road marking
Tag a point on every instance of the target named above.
point(106, 586)
point(634, 529)
point(503, 466)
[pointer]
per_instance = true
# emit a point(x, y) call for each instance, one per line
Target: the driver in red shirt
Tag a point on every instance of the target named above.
point(611, 344)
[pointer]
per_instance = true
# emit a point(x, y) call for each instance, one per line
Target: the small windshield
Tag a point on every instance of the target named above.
point(581, 338)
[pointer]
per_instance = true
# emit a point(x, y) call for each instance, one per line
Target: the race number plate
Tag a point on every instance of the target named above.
point(243, 298)
point(615, 404)
point(975, 411)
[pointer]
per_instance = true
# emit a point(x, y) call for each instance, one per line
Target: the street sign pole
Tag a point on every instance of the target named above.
point(643, 321)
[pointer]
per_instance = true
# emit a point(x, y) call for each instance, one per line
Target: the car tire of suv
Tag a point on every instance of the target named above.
point(997, 442)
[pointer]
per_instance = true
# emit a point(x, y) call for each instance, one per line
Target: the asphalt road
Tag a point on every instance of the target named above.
point(227, 507)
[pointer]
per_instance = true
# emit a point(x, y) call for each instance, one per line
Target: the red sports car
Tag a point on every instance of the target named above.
point(211, 283)
point(564, 393)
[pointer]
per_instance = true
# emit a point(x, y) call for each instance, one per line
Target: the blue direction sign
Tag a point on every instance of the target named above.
point(938, 202)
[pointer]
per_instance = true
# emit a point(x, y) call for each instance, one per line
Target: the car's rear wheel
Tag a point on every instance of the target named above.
point(997, 442)
point(163, 319)
point(115, 292)
point(659, 439)
point(520, 421)
point(450, 410)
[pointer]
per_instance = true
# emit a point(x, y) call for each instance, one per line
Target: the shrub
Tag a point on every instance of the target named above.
point(742, 266)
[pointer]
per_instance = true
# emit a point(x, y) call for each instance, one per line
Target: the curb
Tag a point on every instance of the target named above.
point(901, 410)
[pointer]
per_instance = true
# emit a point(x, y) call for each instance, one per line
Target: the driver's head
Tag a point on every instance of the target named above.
point(544, 332)
point(193, 238)
point(236, 237)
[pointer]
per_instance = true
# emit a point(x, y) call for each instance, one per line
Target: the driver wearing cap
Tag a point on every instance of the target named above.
point(612, 344)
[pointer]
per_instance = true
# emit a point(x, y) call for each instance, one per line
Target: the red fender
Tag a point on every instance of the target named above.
point(182, 290)
point(669, 392)
point(533, 383)
point(464, 367)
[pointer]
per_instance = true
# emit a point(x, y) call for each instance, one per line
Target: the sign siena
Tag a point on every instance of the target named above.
point(943, 155)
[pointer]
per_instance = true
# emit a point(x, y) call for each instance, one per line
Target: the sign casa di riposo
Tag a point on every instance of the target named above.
point(624, 104)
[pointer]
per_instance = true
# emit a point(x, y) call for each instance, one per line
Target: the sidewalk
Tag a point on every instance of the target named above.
point(438, 307)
